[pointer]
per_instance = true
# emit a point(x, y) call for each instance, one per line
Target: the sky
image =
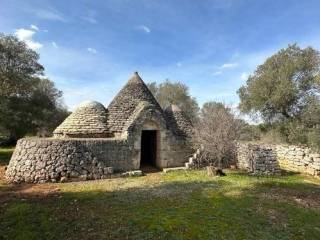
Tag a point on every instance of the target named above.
point(91, 48)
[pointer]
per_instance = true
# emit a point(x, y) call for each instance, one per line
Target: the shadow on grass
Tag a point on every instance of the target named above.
point(283, 173)
point(196, 209)
point(5, 155)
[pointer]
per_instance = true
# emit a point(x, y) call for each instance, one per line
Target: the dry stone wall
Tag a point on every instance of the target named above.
point(44, 160)
point(258, 159)
point(300, 159)
point(270, 159)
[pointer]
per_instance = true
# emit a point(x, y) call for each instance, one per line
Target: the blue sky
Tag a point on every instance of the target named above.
point(90, 48)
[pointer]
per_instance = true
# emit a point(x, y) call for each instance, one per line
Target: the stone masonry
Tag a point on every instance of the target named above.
point(300, 159)
point(94, 141)
point(48, 160)
point(258, 159)
point(269, 159)
point(88, 120)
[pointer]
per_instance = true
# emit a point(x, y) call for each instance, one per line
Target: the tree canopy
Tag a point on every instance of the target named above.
point(168, 93)
point(18, 67)
point(29, 103)
point(281, 87)
point(285, 92)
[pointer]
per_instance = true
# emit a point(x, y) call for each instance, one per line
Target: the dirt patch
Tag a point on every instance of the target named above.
point(304, 199)
point(10, 191)
point(2, 172)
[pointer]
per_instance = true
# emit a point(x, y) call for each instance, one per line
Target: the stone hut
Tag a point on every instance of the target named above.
point(94, 141)
point(87, 121)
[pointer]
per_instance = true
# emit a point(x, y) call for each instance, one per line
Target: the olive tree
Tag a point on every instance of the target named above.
point(285, 92)
point(280, 88)
point(29, 103)
point(177, 93)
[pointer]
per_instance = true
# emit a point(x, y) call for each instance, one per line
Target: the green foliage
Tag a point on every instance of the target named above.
point(279, 89)
point(292, 132)
point(18, 67)
point(314, 139)
point(211, 108)
point(296, 133)
point(28, 102)
point(285, 92)
point(178, 205)
point(248, 132)
point(310, 116)
point(176, 93)
point(272, 135)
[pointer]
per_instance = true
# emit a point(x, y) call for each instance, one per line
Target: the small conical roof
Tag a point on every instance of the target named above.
point(88, 120)
point(124, 104)
point(179, 123)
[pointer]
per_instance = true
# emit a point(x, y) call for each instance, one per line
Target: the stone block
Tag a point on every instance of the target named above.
point(132, 173)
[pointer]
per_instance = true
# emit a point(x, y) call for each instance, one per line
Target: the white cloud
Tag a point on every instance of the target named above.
point(229, 65)
point(54, 44)
point(144, 28)
point(217, 73)
point(244, 76)
point(49, 15)
point(45, 30)
point(26, 35)
point(92, 50)
point(34, 27)
point(34, 45)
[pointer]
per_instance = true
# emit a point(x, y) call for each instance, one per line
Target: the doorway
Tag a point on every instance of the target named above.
point(148, 156)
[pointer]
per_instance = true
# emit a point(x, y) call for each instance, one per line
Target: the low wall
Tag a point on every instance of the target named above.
point(49, 159)
point(300, 159)
point(270, 159)
point(257, 159)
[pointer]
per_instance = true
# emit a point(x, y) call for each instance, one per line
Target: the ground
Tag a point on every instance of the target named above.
point(178, 205)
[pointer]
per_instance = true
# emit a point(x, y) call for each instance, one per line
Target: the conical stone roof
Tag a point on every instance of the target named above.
point(179, 123)
point(88, 120)
point(125, 103)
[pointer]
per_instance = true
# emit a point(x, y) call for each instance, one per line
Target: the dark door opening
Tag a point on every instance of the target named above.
point(148, 148)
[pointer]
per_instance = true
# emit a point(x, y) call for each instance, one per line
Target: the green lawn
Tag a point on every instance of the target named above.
point(179, 205)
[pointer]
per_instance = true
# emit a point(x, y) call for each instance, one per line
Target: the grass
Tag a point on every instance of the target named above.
point(5, 155)
point(177, 205)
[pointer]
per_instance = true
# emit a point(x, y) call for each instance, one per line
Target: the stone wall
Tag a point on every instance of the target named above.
point(38, 160)
point(43, 160)
point(257, 159)
point(300, 159)
point(269, 159)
